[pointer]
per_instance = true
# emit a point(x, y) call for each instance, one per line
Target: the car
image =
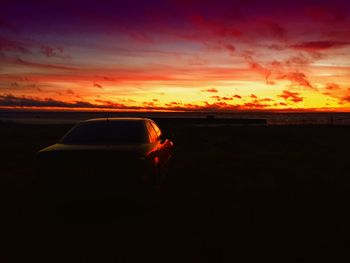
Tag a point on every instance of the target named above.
point(105, 156)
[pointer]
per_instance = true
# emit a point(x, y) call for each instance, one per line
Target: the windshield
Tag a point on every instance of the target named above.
point(106, 132)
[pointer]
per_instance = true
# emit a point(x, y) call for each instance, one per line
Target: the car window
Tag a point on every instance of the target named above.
point(152, 133)
point(106, 132)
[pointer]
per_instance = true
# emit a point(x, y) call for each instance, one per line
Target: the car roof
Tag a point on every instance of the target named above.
point(116, 119)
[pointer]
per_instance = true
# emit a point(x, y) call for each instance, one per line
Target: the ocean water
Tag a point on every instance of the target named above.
point(51, 117)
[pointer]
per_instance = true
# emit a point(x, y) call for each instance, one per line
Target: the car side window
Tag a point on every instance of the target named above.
point(151, 132)
point(156, 128)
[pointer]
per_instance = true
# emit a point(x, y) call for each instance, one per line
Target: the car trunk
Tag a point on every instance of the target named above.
point(90, 171)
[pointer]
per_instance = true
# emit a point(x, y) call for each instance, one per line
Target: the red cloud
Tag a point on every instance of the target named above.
point(69, 91)
point(217, 29)
point(298, 60)
point(326, 14)
point(149, 104)
point(230, 48)
point(109, 104)
point(173, 103)
point(237, 96)
point(298, 78)
point(255, 105)
point(288, 69)
point(276, 29)
point(98, 85)
point(345, 99)
point(332, 86)
point(258, 68)
point(213, 90)
point(293, 96)
point(218, 98)
point(266, 99)
point(319, 45)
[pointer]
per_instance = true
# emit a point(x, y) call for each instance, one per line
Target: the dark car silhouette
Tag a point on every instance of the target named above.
point(105, 156)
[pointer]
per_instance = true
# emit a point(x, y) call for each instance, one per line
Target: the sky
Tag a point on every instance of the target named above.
point(175, 55)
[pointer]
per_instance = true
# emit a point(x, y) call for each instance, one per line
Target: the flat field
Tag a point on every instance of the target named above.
point(234, 194)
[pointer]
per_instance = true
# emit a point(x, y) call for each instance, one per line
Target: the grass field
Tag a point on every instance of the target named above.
point(234, 194)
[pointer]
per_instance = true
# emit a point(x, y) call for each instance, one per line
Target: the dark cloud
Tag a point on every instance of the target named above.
point(53, 51)
point(10, 100)
point(10, 45)
point(15, 84)
point(8, 26)
point(22, 62)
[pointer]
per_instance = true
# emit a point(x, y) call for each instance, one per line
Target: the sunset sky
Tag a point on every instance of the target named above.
point(175, 55)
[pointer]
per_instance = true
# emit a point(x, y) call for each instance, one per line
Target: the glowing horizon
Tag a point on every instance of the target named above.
point(175, 55)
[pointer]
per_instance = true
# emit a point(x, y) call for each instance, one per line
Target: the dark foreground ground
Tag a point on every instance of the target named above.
point(235, 194)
